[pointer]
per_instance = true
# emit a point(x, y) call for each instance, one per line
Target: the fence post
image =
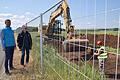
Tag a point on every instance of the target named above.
point(117, 57)
point(41, 47)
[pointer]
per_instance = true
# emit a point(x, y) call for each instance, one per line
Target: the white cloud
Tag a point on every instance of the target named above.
point(22, 16)
point(6, 7)
point(17, 17)
point(28, 19)
point(14, 16)
point(1, 20)
point(17, 20)
point(27, 13)
point(5, 14)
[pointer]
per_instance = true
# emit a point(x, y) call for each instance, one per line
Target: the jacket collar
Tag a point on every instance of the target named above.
point(24, 32)
point(8, 27)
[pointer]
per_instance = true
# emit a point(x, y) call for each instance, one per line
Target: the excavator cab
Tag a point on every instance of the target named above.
point(56, 29)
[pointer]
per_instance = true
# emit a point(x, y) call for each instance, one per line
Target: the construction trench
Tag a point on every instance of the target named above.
point(76, 53)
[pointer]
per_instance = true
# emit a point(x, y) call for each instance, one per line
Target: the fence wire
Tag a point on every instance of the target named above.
point(59, 59)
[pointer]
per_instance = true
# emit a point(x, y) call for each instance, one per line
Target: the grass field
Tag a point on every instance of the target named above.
point(109, 32)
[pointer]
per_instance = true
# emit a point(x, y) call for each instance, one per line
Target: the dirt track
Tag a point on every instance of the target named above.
point(19, 73)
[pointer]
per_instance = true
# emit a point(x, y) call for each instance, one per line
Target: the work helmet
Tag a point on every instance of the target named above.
point(99, 43)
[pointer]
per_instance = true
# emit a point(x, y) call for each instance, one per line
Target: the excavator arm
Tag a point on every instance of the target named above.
point(64, 9)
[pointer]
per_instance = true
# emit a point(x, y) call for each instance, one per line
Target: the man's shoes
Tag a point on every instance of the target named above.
point(7, 73)
point(22, 66)
point(12, 68)
point(26, 65)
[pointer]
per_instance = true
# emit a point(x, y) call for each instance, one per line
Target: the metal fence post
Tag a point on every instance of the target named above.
point(41, 47)
point(117, 57)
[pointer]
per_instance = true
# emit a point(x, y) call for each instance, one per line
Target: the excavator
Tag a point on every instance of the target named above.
point(54, 26)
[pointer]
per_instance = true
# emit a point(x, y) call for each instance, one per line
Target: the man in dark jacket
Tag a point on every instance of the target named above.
point(24, 42)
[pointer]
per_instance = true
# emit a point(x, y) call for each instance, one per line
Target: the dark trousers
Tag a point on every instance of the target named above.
point(25, 51)
point(9, 51)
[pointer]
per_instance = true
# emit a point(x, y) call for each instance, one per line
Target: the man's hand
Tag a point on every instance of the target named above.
point(15, 47)
point(3, 49)
point(19, 49)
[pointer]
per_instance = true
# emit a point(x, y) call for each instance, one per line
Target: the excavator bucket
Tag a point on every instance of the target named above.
point(74, 45)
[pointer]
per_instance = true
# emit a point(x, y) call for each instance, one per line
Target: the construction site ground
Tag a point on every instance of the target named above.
point(20, 73)
point(76, 56)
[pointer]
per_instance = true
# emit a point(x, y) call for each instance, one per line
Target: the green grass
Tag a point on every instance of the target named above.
point(70, 71)
point(57, 68)
point(36, 56)
point(109, 32)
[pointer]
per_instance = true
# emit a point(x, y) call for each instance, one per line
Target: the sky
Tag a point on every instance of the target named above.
point(84, 14)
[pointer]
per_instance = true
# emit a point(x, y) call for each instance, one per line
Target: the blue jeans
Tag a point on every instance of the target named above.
point(9, 51)
point(23, 55)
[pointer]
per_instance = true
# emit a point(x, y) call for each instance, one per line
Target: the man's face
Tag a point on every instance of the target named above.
point(8, 23)
point(71, 29)
point(24, 29)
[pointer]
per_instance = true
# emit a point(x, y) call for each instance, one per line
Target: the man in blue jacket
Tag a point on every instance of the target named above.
point(8, 44)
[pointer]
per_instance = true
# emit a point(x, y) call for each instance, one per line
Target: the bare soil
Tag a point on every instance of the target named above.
point(20, 73)
point(111, 40)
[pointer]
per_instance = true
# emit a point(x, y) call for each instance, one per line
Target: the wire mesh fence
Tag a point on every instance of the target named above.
point(93, 53)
